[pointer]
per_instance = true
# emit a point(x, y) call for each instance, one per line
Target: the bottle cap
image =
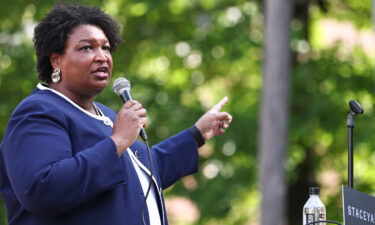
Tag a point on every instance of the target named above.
point(314, 190)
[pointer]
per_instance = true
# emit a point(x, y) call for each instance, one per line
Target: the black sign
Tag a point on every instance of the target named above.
point(359, 208)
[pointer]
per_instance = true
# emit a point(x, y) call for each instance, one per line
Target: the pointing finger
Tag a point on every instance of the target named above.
point(220, 104)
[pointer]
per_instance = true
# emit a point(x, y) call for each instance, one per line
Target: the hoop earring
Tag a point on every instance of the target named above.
point(56, 75)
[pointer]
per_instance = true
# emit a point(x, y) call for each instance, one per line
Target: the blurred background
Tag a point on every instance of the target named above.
point(182, 56)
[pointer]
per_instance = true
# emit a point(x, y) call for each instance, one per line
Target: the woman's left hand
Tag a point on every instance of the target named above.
point(214, 122)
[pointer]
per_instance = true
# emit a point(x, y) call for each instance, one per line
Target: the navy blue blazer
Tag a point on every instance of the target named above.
point(59, 166)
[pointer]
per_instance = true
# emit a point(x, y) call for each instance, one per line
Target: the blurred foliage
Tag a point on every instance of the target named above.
point(182, 56)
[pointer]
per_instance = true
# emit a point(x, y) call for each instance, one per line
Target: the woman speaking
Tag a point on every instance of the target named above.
point(66, 159)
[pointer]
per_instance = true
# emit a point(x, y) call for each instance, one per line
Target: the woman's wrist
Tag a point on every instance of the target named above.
point(197, 135)
point(121, 144)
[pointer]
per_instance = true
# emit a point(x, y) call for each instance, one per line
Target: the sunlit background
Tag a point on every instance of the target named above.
point(182, 56)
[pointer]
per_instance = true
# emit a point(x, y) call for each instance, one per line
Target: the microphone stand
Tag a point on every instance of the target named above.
point(355, 108)
point(350, 124)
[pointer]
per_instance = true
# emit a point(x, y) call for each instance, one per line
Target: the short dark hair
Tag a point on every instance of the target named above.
point(51, 34)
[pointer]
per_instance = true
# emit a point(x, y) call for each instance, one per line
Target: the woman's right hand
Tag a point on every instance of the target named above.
point(129, 121)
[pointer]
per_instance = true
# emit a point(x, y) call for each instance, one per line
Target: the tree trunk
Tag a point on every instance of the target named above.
point(274, 111)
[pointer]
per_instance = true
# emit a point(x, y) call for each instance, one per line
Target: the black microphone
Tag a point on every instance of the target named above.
point(355, 107)
point(121, 87)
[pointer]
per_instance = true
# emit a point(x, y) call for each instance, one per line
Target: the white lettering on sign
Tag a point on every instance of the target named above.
point(360, 214)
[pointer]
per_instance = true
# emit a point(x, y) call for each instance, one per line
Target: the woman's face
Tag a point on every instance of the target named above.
point(86, 64)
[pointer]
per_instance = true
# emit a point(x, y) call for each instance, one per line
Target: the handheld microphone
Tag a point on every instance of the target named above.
point(121, 87)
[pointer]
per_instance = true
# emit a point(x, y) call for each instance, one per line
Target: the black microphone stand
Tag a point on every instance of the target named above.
point(350, 124)
point(355, 108)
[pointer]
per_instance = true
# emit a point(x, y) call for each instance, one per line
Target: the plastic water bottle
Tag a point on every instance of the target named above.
point(314, 209)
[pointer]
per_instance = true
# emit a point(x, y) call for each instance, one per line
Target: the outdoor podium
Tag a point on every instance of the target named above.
point(358, 208)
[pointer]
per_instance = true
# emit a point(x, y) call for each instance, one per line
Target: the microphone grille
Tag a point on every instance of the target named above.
point(120, 85)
